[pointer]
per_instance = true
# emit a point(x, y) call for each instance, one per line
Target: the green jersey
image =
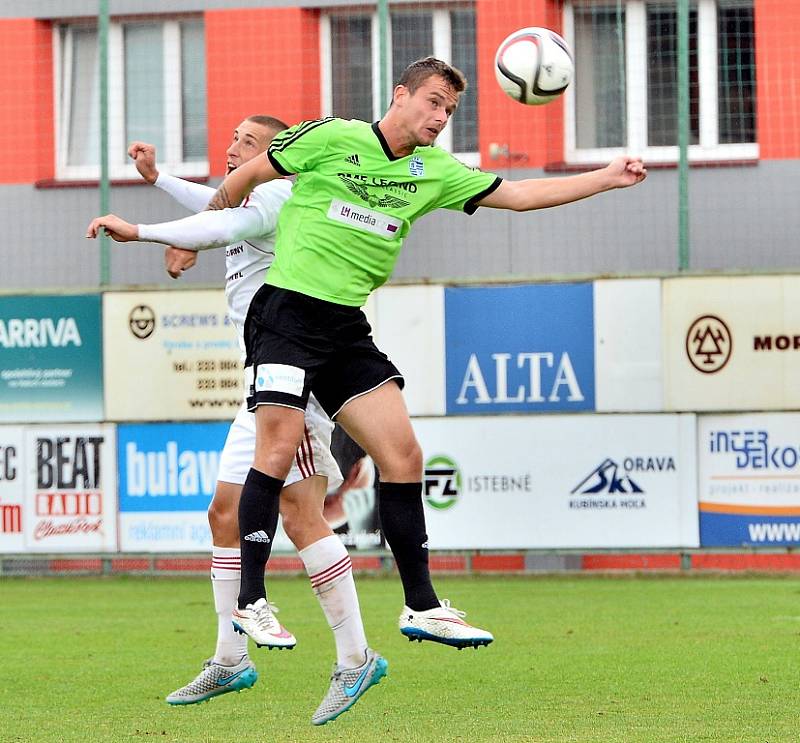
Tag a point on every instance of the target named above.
point(353, 203)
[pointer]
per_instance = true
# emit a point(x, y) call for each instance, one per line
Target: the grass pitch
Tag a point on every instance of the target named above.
point(575, 659)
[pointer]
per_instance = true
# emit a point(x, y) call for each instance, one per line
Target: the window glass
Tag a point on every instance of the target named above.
point(351, 63)
point(662, 76)
point(83, 146)
point(193, 91)
point(464, 123)
point(600, 88)
point(737, 74)
point(412, 39)
point(144, 84)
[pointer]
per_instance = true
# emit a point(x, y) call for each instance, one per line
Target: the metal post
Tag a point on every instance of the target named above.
point(105, 200)
point(383, 53)
point(683, 135)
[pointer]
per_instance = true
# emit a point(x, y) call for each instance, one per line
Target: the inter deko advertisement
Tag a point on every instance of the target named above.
point(749, 480)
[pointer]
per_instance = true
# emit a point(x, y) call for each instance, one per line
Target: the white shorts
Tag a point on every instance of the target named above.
point(313, 457)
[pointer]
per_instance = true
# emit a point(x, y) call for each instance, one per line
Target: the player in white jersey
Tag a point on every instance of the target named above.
point(248, 232)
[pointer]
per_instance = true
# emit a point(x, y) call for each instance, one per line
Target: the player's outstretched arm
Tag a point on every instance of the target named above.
point(143, 155)
point(541, 193)
point(242, 181)
point(199, 232)
point(192, 196)
point(115, 227)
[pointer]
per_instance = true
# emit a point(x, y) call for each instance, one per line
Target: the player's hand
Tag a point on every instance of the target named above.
point(144, 155)
point(116, 228)
point(626, 171)
point(178, 260)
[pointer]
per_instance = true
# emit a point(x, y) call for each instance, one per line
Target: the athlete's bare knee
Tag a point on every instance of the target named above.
point(278, 434)
point(223, 520)
point(223, 514)
point(401, 464)
point(298, 515)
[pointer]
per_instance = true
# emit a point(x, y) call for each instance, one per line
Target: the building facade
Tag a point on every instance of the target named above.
point(183, 73)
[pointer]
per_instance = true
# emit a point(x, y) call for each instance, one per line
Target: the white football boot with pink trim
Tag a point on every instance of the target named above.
point(443, 624)
point(258, 621)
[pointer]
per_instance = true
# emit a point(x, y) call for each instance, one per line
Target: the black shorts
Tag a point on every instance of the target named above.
point(298, 344)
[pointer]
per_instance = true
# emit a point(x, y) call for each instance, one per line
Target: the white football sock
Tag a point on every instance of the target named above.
point(331, 574)
point(226, 573)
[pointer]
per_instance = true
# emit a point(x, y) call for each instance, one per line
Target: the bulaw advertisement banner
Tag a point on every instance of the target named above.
point(168, 475)
point(70, 488)
point(12, 491)
point(749, 486)
point(732, 343)
point(585, 481)
point(52, 359)
point(520, 348)
point(170, 355)
point(167, 478)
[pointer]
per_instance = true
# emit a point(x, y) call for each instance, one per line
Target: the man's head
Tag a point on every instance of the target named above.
point(251, 138)
point(425, 97)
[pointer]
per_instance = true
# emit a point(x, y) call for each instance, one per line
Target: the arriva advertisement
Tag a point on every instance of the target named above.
point(70, 488)
point(170, 355)
point(582, 481)
point(51, 359)
point(520, 349)
point(167, 478)
point(749, 489)
point(732, 343)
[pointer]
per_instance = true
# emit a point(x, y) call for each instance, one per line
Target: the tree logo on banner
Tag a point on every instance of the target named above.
point(709, 344)
point(442, 484)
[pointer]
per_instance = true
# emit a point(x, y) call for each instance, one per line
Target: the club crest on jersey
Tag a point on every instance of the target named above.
point(416, 166)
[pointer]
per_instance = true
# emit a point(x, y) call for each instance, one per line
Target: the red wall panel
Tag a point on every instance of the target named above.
point(534, 135)
point(26, 110)
point(778, 84)
point(250, 72)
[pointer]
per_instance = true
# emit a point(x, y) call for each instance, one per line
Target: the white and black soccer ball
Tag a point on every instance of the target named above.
point(534, 65)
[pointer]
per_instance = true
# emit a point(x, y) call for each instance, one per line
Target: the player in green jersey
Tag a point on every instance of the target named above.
point(359, 188)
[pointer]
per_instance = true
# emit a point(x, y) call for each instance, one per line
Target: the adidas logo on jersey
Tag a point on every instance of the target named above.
point(353, 160)
point(257, 536)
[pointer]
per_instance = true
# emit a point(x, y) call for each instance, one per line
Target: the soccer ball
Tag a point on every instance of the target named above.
point(533, 65)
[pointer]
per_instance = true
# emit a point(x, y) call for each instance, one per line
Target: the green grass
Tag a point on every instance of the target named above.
point(575, 659)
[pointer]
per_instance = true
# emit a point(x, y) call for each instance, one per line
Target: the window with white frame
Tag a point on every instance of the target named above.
point(156, 94)
point(624, 97)
point(351, 84)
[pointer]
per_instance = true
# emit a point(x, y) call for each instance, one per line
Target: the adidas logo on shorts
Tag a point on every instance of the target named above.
point(353, 160)
point(257, 536)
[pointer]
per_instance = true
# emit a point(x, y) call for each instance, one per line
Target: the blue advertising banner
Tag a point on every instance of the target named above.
point(749, 480)
point(167, 477)
point(520, 348)
point(168, 466)
point(52, 359)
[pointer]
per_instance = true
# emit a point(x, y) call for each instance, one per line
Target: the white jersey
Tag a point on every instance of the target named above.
point(246, 257)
